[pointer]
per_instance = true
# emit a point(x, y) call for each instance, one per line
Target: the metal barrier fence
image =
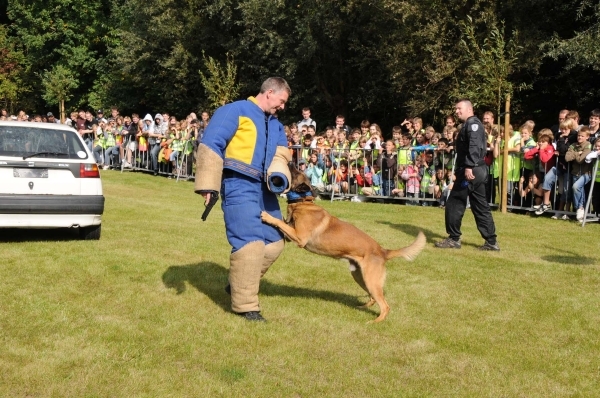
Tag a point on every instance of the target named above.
point(413, 176)
point(424, 176)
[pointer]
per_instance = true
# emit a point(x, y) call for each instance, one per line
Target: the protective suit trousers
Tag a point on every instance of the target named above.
point(255, 245)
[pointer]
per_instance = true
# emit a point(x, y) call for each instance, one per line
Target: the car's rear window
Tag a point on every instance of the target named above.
point(24, 141)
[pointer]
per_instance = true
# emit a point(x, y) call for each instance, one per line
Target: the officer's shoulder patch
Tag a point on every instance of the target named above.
point(474, 127)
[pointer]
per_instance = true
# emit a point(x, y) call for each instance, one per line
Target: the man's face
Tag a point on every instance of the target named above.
point(562, 116)
point(114, 113)
point(82, 114)
point(339, 122)
point(51, 119)
point(88, 116)
point(306, 114)
point(488, 119)
point(276, 101)
point(594, 121)
point(450, 122)
point(461, 111)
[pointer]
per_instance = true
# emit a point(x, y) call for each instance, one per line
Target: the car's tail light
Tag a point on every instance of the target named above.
point(89, 171)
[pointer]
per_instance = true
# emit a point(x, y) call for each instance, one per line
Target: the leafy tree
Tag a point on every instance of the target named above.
point(582, 49)
point(491, 65)
point(58, 85)
point(12, 62)
point(220, 81)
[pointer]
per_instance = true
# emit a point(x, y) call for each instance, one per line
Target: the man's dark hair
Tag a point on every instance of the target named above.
point(595, 112)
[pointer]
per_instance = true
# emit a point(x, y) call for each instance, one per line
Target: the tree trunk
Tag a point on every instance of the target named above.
point(507, 134)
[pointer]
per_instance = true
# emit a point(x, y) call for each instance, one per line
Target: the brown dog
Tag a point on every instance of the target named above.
point(313, 228)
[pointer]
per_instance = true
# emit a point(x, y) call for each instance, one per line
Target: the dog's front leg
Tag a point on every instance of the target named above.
point(289, 231)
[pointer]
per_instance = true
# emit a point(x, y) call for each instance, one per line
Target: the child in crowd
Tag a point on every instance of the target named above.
point(340, 148)
point(545, 154)
point(530, 192)
point(527, 144)
point(364, 129)
point(397, 135)
point(404, 152)
point(581, 172)
point(555, 174)
point(590, 158)
point(400, 185)
point(412, 180)
point(315, 171)
point(388, 164)
point(427, 176)
point(341, 177)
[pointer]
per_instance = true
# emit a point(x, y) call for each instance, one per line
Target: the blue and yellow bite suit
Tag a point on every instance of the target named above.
point(242, 151)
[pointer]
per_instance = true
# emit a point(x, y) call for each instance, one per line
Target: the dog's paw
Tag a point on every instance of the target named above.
point(264, 216)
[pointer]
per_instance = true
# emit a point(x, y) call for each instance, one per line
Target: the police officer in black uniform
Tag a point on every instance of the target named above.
point(471, 176)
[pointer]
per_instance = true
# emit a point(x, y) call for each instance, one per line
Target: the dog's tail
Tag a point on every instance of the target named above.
point(409, 252)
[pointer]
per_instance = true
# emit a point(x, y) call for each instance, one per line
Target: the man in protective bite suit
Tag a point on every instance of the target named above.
point(244, 155)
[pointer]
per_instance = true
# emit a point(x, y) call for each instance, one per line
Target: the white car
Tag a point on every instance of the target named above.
point(48, 179)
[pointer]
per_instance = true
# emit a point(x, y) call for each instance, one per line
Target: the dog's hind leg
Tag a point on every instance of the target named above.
point(374, 278)
point(357, 275)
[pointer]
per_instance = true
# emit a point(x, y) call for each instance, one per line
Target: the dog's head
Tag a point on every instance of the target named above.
point(300, 182)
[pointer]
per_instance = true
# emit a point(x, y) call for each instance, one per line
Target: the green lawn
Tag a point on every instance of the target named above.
point(142, 312)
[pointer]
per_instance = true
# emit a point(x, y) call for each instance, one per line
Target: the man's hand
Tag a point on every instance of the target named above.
point(206, 196)
point(469, 174)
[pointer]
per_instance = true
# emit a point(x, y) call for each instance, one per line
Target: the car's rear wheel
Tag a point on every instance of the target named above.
point(90, 233)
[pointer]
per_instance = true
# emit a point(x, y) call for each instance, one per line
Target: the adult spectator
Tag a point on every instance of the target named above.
point(203, 123)
point(51, 118)
point(250, 168)
point(155, 137)
point(306, 120)
point(471, 176)
point(99, 115)
point(114, 112)
point(594, 125)
point(488, 118)
point(562, 115)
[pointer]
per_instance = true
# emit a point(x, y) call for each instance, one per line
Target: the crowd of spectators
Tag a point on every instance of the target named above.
point(549, 169)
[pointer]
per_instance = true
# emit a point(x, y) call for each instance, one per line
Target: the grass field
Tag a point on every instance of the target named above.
point(142, 312)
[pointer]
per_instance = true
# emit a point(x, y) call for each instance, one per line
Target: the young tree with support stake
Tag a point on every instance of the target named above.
point(487, 82)
point(58, 84)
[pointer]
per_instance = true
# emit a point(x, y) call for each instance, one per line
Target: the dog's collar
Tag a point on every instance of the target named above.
point(298, 197)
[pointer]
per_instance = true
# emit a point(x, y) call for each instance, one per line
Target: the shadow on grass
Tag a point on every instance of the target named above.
point(413, 230)
point(210, 278)
point(569, 258)
point(38, 235)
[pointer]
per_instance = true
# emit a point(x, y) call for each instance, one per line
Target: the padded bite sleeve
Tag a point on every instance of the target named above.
point(209, 170)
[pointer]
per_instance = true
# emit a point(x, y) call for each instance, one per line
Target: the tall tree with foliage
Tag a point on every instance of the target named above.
point(65, 32)
point(12, 63)
point(220, 81)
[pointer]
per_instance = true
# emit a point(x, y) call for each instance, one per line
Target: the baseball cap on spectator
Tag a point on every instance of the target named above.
point(50, 114)
point(13, 117)
point(103, 120)
point(99, 112)
point(301, 161)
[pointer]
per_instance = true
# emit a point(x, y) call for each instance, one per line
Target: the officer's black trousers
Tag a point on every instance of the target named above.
point(457, 203)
